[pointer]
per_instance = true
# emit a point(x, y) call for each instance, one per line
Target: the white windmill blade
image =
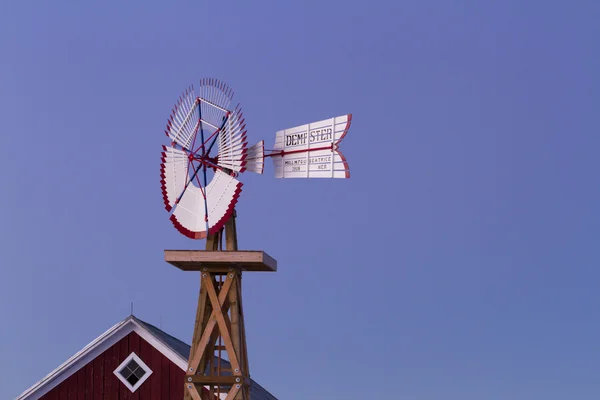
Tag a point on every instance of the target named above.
point(311, 150)
point(183, 122)
point(219, 197)
point(233, 142)
point(173, 174)
point(215, 97)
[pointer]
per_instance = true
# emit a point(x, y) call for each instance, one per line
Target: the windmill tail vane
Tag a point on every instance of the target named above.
point(200, 190)
point(311, 150)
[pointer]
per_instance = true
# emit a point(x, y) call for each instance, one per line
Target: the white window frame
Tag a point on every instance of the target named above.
point(142, 364)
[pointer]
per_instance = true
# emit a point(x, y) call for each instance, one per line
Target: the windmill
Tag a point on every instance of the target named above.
point(200, 167)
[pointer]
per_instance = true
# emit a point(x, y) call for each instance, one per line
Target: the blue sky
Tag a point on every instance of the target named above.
point(460, 261)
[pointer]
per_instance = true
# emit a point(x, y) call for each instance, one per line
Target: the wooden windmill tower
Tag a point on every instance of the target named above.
point(200, 192)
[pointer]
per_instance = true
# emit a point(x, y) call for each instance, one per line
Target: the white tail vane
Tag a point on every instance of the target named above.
point(311, 150)
point(200, 190)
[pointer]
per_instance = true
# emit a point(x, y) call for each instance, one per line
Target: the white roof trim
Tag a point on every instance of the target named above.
point(94, 349)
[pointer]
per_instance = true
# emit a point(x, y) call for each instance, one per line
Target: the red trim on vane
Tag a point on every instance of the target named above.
point(217, 226)
point(346, 166)
point(345, 129)
point(186, 232)
point(162, 180)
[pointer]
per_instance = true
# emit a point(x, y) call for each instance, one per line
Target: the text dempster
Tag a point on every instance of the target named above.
point(316, 135)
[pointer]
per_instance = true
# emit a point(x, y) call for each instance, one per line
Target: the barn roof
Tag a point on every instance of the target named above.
point(171, 347)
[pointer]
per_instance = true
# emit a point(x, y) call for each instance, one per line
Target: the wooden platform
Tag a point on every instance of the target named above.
point(197, 260)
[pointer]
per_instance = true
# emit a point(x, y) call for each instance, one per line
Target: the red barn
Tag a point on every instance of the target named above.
point(132, 360)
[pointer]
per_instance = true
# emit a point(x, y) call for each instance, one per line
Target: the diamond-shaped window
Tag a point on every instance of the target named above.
point(133, 372)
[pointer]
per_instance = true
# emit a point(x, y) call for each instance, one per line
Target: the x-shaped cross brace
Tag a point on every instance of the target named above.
point(218, 317)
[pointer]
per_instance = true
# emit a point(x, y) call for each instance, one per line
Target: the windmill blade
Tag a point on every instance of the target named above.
point(311, 150)
point(215, 98)
point(232, 142)
point(173, 174)
point(253, 159)
point(183, 122)
point(222, 194)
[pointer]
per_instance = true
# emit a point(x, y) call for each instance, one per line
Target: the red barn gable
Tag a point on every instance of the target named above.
point(133, 360)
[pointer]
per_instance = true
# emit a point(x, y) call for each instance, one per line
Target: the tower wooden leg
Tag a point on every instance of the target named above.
point(222, 319)
point(219, 330)
point(219, 327)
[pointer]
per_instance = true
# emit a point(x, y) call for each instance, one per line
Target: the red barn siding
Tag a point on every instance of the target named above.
point(96, 380)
